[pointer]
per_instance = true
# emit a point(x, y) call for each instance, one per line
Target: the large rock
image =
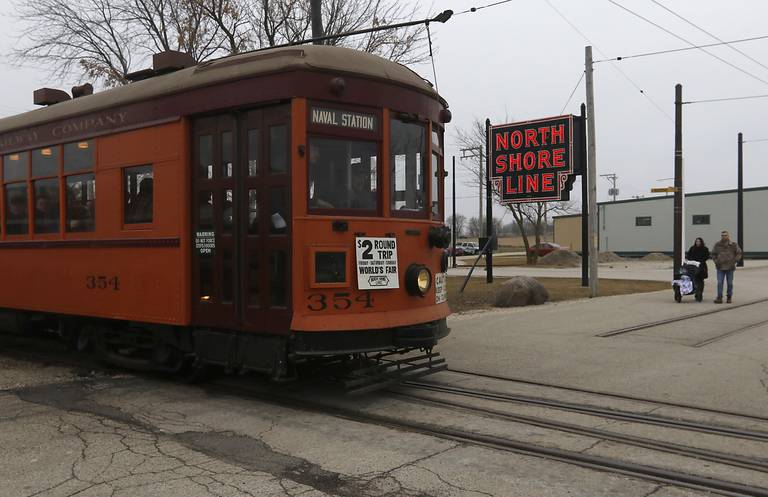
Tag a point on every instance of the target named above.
point(562, 258)
point(519, 291)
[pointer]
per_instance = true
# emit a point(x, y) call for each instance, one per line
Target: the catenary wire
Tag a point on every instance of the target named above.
point(758, 140)
point(578, 83)
point(709, 33)
point(734, 66)
point(683, 49)
point(475, 9)
point(726, 99)
point(617, 68)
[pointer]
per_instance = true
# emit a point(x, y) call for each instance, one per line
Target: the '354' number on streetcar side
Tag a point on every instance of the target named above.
point(341, 301)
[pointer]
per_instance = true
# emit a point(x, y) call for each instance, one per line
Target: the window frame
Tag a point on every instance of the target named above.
point(313, 250)
point(438, 150)
point(426, 159)
point(638, 222)
point(701, 217)
point(123, 199)
point(3, 185)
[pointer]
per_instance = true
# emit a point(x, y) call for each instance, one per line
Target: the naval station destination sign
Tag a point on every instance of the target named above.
point(344, 119)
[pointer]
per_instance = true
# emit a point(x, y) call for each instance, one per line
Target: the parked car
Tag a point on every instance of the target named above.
point(544, 248)
point(470, 248)
point(459, 250)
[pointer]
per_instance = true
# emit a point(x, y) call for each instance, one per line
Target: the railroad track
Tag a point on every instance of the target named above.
point(662, 322)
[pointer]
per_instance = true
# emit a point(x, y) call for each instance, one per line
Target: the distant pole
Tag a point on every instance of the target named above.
point(488, 207)
point(453, 175)
point(316, 10)
point(740, 201)
point(591, 174)
point(480, 192)
point(678, 209)
point(584, 204)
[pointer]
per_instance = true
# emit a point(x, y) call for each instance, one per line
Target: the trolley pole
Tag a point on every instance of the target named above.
point(678, 209)
point(488, 208)
point(584, 206)
point(591, 174)
point(453, 244)
point(740, 201)
point(315, 10)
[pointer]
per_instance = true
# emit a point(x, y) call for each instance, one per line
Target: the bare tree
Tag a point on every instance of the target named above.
point(461, 222)
point(473, 227)
point(104, 40)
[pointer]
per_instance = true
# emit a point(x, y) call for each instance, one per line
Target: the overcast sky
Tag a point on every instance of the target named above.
point(521, 60)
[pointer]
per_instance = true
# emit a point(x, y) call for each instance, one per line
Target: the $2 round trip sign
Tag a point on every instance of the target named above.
point(376, 263)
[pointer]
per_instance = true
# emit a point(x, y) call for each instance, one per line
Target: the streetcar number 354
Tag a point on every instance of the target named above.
point(102, 283)
point(340, 301)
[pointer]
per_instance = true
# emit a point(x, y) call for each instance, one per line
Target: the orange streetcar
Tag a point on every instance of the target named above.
point(253, 212)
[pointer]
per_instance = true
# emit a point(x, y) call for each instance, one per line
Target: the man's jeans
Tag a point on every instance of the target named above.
point(729, 276)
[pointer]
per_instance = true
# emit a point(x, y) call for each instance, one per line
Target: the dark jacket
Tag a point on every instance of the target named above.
point(700, 254)
point(726, 255)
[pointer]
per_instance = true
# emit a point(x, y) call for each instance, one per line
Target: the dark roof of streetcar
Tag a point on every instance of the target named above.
point(324, 58)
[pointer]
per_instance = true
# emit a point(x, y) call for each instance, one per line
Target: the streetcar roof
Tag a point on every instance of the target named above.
point(305, 57)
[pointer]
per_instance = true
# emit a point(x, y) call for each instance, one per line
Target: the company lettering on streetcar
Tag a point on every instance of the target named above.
point(532, 161)
point(343, 119)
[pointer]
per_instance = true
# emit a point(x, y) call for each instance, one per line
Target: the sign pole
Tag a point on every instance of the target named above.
point(453, 244)
point(584, 203)
point(591, 174)
point(678, 209)
point(740, 201)
point(488, 206)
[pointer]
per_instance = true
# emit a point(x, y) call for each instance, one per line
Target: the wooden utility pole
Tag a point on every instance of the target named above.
point(584, 203)
point(453, 244)
point(488, 207)
point(591, 174)
point(678, 227)
point(740, 201)
point(316, 11)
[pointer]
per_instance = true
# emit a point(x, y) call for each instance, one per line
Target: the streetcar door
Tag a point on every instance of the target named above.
point(241, 220)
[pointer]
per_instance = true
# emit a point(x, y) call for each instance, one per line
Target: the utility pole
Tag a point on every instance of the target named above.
point(453, 245)
point(740, 201)
point(678, 226)
point(488, 209)
point(477, 152)
point(613, 191)
point(584, 204)
point(316, 10)
point(591, 173)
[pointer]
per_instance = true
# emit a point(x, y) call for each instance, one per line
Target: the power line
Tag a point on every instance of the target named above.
point(759, 140)
point(637, 87)
point(726, 99)
point(734, 66)
point(708, 33)
point(475, 9)
point(572, 92)
point(683, 49)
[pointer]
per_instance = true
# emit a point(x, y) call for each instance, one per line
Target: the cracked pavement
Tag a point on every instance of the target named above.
point(67, 435)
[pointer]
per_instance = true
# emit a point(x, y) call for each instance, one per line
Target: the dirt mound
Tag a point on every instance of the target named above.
point(608, 257)
point(656, 257)
point(562, 258)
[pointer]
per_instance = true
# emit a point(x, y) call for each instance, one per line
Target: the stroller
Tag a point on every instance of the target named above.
point(689, 281)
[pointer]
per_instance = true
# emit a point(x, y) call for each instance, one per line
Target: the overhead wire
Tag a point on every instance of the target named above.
point(708, 33)
point(637, 87)
point(758, 140)
point(475, 9)
point(578, 83)
point(682, 49)
point(726, 99)
point(734, 66)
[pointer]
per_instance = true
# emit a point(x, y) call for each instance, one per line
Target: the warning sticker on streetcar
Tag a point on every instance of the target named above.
point(376, 263)
point(441, 291)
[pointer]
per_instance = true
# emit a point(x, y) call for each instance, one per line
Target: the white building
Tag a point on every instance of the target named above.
point(638, 226)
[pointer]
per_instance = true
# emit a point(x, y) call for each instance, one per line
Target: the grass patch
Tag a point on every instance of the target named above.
point(478, 293)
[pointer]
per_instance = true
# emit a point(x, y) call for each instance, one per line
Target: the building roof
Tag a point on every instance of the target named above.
point(696, 194)
point(321, 58)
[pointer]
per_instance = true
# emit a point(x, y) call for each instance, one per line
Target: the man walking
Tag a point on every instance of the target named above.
point(725, 254)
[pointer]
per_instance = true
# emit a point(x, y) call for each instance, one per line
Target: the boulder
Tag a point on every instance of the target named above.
point(520, 291)
point(562, 258)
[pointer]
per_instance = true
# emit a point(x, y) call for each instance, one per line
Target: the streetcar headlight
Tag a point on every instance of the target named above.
point(418, 279)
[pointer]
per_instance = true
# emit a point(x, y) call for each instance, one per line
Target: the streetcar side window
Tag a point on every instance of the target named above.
point(343, 174)
point(81, 203)
point(15, 166)
point(79, 156)
point(47, 205)
point(16, 211)
point(407, 146)
point(138, 184)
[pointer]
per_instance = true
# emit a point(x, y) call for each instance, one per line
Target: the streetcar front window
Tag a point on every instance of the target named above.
point(407, 145)
point(343, 174)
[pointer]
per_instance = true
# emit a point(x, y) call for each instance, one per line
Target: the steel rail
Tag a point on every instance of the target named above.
point(610, 395)
point(645, 472)
point(651, 419)
point(648, 443)
point(675, 319)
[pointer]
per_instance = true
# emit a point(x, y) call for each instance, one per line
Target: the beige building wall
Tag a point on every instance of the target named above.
point(568, 232)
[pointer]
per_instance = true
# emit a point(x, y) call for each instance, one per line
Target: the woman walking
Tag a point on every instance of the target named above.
point(699, 253)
